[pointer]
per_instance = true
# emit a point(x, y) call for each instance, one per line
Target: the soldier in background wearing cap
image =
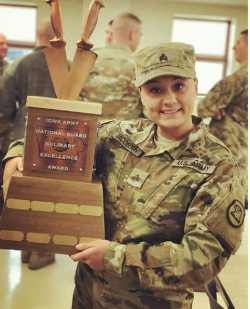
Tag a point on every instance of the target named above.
point(227, 104)
point(173, 200)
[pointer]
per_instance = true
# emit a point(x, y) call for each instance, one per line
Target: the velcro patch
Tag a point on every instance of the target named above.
point(127, 144)
point(137, 178)
point(236, 213)
point(195, 164)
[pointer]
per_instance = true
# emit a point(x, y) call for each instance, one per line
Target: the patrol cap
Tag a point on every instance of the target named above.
point(174, 59)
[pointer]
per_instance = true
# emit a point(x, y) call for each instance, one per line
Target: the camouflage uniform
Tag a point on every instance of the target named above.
point(230, 94)
point(173, 212)
point(173, 215)
point(111, 83)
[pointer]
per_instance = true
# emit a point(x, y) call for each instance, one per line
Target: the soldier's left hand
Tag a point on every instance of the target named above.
point(91, 253)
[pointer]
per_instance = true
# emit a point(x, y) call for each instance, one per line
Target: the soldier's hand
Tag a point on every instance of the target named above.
point(91, 253)
point(220, 114)
point(10, 167)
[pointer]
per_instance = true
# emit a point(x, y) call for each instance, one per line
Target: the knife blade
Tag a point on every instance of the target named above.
point(56, 54)
point(84, 58)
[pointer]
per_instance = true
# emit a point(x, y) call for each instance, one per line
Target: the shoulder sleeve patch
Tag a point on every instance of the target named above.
point(236, 213)
point(225, 220)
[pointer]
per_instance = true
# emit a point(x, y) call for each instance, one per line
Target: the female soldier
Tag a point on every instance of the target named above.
point(173, 200)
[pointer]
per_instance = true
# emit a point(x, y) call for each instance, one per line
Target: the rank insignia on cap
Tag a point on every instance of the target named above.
point(163, 57)
point(236, 213)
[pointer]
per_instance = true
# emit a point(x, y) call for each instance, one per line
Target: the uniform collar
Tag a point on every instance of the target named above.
point(118, 46)
point(39, 48)
point(145, 140)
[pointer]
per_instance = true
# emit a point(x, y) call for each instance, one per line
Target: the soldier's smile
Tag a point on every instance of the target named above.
point(170, 111)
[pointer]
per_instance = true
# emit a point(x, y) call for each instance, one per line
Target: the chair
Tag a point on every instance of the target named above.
point(211, 290)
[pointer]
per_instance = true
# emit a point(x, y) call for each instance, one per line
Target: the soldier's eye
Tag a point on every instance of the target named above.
point(178, 86)
point(155, 90)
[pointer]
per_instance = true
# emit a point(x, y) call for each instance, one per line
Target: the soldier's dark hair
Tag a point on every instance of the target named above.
point(244, 32)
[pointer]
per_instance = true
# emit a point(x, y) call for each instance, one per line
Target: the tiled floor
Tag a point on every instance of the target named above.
point(52, 286)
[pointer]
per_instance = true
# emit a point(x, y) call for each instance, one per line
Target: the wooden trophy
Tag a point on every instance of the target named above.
point(55, 203)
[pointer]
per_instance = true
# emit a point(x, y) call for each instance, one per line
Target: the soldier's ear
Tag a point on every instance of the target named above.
point(133, 34)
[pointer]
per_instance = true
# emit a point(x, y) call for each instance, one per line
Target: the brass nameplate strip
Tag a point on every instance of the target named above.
point(65, 240)
point(95, 211)
point(61, 208)
point(66, 208)
point(18, 204)
point(38, 238)
point(11, 235)
point(42, 206)
point(88, 239)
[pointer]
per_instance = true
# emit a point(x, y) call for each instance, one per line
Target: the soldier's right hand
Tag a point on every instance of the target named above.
point(219, 115)
point(12, 165)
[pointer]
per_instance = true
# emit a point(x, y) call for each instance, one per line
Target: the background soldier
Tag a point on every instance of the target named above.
point(227, 104)
point(108, 33)
point(111, 81)
point(27, 76)
point(3, 53)
point(5, 125)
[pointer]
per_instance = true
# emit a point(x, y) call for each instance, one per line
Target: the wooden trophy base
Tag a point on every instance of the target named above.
point(51, 215)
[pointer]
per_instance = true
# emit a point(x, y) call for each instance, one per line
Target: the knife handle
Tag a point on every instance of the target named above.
point(55, 16)
point(89, 25)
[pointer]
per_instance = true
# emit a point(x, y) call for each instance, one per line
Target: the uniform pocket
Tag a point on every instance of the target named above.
point(161, 193)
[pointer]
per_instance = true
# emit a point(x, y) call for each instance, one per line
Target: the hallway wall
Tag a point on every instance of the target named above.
point(156, 16)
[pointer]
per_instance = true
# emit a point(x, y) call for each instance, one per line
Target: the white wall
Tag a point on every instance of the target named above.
point(156, 16)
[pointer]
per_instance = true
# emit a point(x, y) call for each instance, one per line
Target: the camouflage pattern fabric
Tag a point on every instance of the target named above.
point(174, 216)
point(230, 94)
point(173, 213)
point(111, 83)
